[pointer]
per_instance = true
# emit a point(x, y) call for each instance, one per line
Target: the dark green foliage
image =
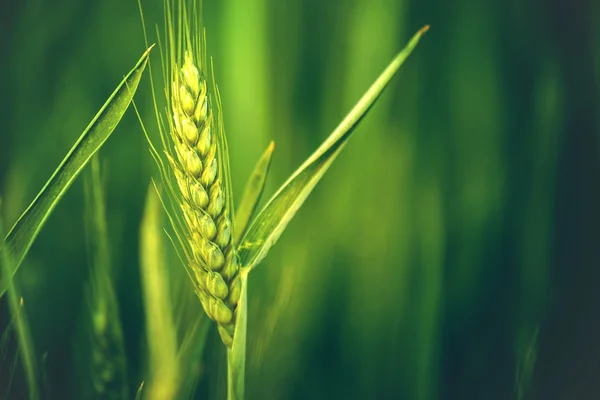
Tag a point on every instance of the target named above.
point(455, 235)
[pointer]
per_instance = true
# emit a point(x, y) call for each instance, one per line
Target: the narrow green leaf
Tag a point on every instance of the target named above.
point(252, 193)
point(138, 395)
point(23, 233)
point(161, 333)
point(274, 217)
point(236, 355)
point(21, 325)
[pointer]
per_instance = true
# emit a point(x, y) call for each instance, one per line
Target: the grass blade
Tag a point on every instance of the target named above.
point(160, 330)
point(21, 325)
point(138, 395)
point(274, 217)
point(252, 193)
point(23, 233)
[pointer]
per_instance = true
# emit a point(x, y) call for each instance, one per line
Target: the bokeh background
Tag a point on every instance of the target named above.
point(451, 252)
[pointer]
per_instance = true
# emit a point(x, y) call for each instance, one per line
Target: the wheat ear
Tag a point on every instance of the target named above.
point(213, 261)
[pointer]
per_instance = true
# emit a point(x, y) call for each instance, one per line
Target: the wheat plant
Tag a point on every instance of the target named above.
point(212, 258)
point(194, 167)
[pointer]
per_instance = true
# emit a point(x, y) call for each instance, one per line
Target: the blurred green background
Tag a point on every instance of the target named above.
point(451, 252)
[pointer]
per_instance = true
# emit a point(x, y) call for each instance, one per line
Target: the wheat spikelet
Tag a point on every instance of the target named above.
point(213, 261)
point(108, 363)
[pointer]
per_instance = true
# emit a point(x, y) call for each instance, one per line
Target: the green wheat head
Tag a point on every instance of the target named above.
point(213, 259)
point(197, 169)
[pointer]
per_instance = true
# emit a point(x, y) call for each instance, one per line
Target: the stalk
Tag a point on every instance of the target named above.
point(236, 355)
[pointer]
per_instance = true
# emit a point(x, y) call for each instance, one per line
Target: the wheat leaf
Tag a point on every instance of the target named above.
point(252, 193)
point(23, 233)
point(281, 208)
point(138, 395)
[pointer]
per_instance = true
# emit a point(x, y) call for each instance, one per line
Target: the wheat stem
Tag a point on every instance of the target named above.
point(236, 354)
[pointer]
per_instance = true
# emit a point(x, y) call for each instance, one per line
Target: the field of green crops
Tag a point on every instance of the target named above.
point(452, 251)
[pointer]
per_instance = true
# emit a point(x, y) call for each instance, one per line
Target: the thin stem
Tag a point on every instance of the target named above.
point(236, 355)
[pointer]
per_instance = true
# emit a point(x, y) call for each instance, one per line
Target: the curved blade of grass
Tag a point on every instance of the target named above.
point(252, 193)
point(161, 333)
point(138, 395)
point(274, 217)
point(23, 233)
point(21, 325)
point(236, 355)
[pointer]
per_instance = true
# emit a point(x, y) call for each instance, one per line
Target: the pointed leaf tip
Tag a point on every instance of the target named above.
point(252, 194)
point(149, 49)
